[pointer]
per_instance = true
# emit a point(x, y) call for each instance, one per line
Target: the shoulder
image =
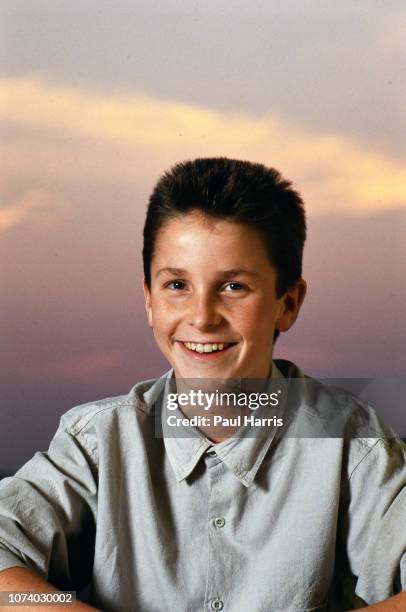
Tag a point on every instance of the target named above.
point(330, 408)
point(140, 402)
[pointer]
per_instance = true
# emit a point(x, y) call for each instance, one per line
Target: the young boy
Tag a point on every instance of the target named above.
point(196, 518)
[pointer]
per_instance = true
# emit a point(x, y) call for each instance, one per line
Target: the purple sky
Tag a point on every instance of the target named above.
point(96, 101)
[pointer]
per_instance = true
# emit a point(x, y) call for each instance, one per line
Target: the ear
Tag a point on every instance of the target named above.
point(148, 305)
point(291, 303)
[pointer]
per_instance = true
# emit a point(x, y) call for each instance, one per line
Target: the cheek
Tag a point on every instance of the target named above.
point(255, 322)
point(251, 314)
point(163, 315)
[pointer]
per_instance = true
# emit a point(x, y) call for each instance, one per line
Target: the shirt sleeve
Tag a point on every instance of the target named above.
point(374, 524)
point(47, 512)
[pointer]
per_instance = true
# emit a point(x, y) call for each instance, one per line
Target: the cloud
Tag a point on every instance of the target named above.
point(36, 206)
point(130, 135)
point(83, 367)
point(391, 39)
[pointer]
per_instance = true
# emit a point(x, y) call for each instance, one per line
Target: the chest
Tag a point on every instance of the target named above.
point(270, 545)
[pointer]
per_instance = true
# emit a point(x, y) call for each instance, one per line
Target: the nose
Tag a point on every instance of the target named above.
point(204, 313)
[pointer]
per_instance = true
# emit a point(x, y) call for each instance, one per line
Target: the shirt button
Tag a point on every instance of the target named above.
point(219, 523)
point(217, 604)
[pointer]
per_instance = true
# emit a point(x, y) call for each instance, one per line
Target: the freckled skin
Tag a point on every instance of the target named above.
point(199, 303)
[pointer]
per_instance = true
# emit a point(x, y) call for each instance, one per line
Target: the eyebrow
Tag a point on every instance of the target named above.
point(223, 274)
point(174, 271)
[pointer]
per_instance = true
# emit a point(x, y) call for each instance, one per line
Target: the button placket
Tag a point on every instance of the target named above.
point(216, 580)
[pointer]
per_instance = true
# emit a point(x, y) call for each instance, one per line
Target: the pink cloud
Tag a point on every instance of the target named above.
point(84, 367)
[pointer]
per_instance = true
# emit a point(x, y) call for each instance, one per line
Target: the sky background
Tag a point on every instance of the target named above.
point(98, 98)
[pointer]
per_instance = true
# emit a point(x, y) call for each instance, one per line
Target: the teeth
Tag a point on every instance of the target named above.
point(206, 348)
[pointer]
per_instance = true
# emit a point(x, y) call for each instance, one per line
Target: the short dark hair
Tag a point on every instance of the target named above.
point(241, 191)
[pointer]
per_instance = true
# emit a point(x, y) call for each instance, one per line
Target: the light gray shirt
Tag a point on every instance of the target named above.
point(254, 524)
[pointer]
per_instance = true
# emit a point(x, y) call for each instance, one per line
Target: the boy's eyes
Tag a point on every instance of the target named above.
point(233, 286)
point(177, 285)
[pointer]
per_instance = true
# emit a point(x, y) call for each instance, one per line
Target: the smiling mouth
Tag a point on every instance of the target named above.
point(207, 347)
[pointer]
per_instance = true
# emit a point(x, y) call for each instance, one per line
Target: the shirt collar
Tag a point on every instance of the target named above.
point(242, 454)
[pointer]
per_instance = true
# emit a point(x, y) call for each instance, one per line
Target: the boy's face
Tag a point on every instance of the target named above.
point(212, 303)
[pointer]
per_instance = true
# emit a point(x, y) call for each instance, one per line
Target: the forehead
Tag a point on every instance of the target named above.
point(204, 240)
